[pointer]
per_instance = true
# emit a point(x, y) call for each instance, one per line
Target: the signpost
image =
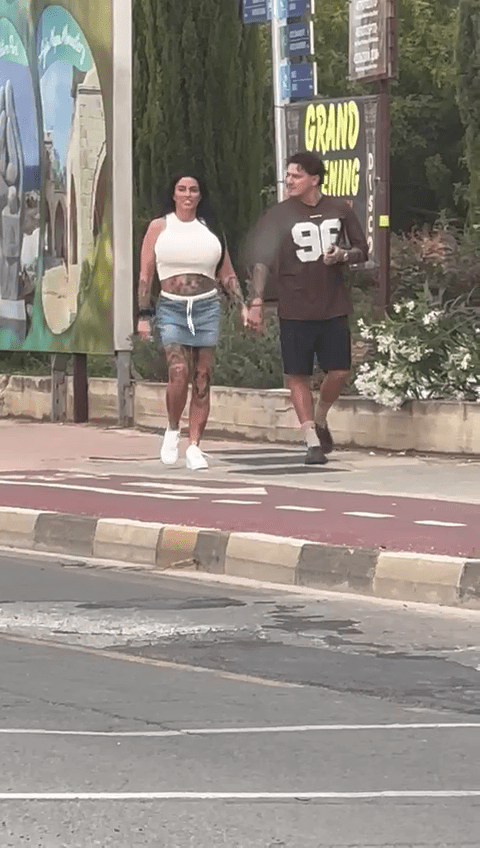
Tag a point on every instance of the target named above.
point(374, 58)
point(292, 80)
point(373, 51)
point(297, 40)
point(300, 8)
point(303, 80)
point(256, 11)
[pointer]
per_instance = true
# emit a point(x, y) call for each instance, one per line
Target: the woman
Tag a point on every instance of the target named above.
point(189, 251)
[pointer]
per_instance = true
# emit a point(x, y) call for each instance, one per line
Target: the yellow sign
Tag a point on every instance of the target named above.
point(384, 221)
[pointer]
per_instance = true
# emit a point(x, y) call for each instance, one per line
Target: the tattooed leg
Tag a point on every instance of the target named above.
point(177, 388)
point(202, 362)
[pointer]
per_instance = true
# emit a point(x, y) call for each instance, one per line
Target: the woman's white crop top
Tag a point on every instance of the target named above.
point(186, 247)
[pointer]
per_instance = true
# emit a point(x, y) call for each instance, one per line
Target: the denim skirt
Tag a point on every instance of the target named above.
point(188, 321)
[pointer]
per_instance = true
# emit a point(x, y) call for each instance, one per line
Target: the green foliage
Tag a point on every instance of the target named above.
point(443, 263)
point(427, 134)
point(468, 69)
point(426, 349)
point(148, 359)
point(199, 102)
point(245, 359)
point(428, 346)
point(34, 364)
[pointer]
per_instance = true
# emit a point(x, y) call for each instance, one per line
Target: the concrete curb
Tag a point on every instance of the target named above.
point(452, 581)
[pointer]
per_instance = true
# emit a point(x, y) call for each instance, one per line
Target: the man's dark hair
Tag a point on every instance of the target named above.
point(310, 162)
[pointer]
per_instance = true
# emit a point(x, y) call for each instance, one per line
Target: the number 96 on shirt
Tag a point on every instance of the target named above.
point(315, 240)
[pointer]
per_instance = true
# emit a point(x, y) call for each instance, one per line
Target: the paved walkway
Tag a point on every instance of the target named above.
point(428, 505)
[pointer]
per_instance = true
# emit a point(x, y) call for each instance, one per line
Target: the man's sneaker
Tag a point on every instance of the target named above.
point(195, 459)
point(324, 437)
point(169, 451)
point(315, 456)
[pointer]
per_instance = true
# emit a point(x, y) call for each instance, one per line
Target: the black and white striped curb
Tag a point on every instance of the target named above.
point(289, 562)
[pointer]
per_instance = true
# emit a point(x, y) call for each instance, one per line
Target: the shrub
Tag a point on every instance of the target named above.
point(427, 348)
point(243, 359)
point(443, 263)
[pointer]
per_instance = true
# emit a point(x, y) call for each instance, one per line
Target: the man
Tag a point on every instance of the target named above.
point(303, 243)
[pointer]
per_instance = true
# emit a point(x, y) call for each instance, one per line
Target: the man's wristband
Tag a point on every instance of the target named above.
point(146, 313)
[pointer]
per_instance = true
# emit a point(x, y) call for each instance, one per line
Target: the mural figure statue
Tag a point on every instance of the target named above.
point(11, 196)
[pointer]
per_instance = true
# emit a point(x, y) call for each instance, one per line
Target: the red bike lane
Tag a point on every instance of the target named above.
point(340, 518)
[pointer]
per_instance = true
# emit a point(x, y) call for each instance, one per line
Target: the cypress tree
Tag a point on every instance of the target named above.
point(199, 91)
point(468, 75)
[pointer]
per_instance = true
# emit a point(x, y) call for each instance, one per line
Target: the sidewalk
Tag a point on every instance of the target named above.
point(390, 525)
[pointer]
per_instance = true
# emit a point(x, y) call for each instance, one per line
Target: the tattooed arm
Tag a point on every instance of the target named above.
point(147, 270)
point(229, 281)
point(147, 263)
point(257, 282)
point(263, 246)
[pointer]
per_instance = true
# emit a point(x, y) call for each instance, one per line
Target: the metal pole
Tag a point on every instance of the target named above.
point(278, 108)
point(125, 388)
point(383, 196)
point(59, 387)
point(80, 388)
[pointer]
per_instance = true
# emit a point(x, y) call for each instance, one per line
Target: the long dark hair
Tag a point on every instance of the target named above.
point(205, 211)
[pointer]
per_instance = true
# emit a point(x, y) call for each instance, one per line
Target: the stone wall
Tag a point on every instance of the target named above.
point(267, 415)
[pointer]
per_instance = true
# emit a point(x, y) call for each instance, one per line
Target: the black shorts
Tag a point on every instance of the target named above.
point(328, 339)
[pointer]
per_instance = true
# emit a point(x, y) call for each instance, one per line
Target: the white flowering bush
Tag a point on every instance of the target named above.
point(423, 351)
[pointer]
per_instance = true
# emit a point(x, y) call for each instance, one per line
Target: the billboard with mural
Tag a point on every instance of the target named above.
point(56, 138)
point(343, 131)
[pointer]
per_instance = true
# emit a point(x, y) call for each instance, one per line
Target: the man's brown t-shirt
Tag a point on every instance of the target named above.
point(291, 240)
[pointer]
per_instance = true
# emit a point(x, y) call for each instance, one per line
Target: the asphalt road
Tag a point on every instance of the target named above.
point(150, 711)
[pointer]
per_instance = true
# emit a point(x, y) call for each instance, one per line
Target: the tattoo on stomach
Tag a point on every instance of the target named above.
point(188, 284)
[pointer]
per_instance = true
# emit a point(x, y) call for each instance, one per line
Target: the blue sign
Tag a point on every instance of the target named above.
point(256, 11)
point(303, 80)
point(300, 8)
point(284, 81)
point(298, 40)
point(297, 82)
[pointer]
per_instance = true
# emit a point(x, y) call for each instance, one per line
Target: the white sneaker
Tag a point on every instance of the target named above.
point(169, 451)
point(195, 459)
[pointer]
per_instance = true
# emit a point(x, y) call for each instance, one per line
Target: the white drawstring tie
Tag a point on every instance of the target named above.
point(189, 300)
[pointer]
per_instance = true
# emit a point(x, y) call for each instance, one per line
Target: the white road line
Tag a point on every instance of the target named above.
point(201, 490)
point(233, 731)
point(241, 796)
point(101, 491)
point(370, 514)
point(236, 503)
point(441, 523)
point(300, 508)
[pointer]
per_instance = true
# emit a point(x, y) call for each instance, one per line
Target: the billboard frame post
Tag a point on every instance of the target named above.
point(125, 388)
point(59, 387)
point(80, 388)
point(373, 57)
point(123, 205)
point(383, 197)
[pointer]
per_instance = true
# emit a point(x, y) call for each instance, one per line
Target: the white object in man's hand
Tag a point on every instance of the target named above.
point(335, 255)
